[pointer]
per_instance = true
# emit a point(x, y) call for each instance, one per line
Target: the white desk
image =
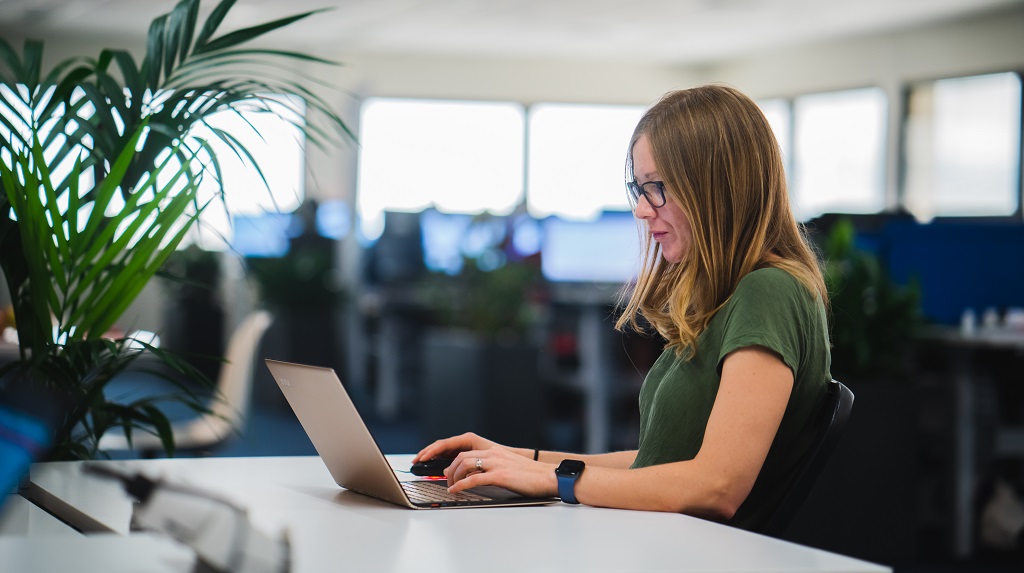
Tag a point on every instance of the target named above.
point(21, 518)
point(101, 553)
point(33, 540)
point(334, 529)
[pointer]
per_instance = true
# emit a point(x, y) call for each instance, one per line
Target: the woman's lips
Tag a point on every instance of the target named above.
point(658, 235)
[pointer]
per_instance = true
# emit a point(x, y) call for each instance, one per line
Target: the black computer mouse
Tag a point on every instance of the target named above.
point(431, 468)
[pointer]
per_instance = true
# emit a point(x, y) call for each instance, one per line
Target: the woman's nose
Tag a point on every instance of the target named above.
point(643, 208)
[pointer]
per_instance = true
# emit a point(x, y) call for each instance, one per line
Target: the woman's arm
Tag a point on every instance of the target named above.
point(621, 460)
point(748, 409)
point(450, 447)
point(751, 400)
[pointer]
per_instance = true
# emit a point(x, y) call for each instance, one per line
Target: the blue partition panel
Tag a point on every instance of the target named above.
point(958, 265)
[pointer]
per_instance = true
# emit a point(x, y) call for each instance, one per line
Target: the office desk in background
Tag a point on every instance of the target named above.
point(1009, 441)
point(334, 529)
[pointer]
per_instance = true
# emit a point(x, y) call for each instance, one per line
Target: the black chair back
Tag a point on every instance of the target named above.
point(838, 403)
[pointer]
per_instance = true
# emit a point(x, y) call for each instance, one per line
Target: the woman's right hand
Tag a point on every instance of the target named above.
point(451, 447)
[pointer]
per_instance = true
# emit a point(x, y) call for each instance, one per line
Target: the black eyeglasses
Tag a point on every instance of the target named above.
point(653, 191)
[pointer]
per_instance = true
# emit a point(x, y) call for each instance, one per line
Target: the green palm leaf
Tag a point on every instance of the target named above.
point(213, 22)
point(247, 34)
point(78, 251)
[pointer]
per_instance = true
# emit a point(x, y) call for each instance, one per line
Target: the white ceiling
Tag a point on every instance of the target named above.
point(655, 31)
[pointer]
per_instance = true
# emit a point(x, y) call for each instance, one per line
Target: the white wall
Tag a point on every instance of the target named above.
point(525, 81)
point(978, 45)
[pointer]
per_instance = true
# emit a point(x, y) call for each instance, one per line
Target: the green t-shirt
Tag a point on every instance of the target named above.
point(772, 309)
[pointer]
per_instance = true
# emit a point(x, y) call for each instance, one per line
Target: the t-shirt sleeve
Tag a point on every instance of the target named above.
point(768, 309)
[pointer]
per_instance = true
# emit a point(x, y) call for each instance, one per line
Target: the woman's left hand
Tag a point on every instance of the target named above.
point(500, 467)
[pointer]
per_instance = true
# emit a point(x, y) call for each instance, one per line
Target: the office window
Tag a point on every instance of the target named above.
point(272, 140)
point(13, 108)
point(779, 114)
point(458, 157)
point(577, 159)
point(276, 145)
point(962, 147)
point(839, 152)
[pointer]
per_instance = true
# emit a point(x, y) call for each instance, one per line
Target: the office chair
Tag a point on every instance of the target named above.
point(231, 403)
point(838, 403)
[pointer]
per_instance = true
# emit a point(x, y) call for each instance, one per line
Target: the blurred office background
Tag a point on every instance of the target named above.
point(459, 267)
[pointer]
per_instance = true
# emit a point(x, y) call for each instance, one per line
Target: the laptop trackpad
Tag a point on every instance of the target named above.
point(493, 492)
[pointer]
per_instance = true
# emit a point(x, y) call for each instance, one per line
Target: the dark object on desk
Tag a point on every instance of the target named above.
point(838, 403)
point(431, 468)
point(29, 417)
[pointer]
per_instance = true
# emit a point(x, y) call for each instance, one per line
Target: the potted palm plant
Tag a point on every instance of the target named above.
point(873, 320)
point(101, 163)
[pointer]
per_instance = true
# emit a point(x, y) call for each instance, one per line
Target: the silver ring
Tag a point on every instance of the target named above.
point(479, 465)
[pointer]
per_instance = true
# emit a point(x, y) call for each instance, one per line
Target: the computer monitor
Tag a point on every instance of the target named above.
point(397, 255)
point(449, 239)
point(604, 250)
point(443, 235)
point(264, 235)
point(333, 219)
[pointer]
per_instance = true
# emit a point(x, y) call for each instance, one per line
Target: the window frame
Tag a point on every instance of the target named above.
point(906, 87)
point(892, 200)
point(884, 153)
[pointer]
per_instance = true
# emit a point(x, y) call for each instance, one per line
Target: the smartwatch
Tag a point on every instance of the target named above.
point(568, 472)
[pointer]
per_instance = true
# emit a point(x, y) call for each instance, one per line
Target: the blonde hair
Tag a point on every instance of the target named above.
point(721, 163)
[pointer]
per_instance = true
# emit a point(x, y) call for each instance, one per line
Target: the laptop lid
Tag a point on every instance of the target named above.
point(345, 444)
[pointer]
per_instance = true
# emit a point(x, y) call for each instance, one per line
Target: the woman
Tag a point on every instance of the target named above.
point(730, 282)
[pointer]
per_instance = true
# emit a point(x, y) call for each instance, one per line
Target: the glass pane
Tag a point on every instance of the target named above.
point(272, 139)
point(577, 159)
point(13, 111)
point(276, 145)
point(963, 147)
point(839, 154)
point(780, 116)
point(458, 157)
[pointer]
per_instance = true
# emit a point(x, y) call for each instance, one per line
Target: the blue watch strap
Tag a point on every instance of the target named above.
point(567, 488)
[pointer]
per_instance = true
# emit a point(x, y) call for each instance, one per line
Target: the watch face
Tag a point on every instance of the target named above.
point(570, 468)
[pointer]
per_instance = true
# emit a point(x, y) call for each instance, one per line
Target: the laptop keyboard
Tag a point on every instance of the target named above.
point(435, 492)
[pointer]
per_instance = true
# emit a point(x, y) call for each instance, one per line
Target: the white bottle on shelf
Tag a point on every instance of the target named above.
point(968, 322)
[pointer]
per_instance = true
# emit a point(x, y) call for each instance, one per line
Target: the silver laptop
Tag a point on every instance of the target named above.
point(350, 453)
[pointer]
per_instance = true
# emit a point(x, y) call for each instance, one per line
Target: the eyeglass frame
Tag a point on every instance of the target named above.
point(634, 190)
